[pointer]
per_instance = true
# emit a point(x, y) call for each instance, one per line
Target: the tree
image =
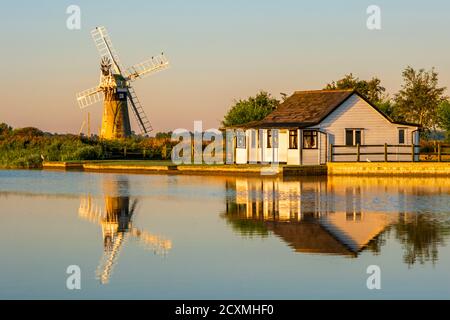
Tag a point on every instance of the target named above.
point(444, 117)
point(419, 99)
point(164, 135)
point(372, 89)
point(388, 108)
point(28, 132)
point(5, 129)
point(253, 109)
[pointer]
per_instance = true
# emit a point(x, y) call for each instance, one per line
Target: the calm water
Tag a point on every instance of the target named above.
point(184, 237)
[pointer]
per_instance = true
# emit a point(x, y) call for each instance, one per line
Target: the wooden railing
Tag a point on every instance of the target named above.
point(440, 153)
point(119, 153)
point(403, 153)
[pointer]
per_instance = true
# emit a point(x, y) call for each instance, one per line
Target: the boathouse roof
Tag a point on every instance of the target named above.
point(308, 108)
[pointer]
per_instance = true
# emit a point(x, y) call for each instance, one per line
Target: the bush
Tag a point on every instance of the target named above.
point(28, 132)
point(5, 129)
point(27, 147)
point(84, 153)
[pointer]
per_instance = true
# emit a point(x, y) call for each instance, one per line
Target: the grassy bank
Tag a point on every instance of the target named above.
point(29, 147)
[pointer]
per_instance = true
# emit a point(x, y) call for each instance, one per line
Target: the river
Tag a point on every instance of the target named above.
point(201, 237)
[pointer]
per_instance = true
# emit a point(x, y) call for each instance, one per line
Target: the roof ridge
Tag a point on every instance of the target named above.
point(324, 90)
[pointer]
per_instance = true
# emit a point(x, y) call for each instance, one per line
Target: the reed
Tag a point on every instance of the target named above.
point(29, 147)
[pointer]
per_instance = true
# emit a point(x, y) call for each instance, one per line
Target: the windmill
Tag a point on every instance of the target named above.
point(116, 91)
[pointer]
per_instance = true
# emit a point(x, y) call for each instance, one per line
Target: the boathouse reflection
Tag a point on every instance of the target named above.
point(115, 218)
point(308, 215)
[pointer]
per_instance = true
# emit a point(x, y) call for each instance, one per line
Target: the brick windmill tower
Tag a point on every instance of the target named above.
point(116, 91)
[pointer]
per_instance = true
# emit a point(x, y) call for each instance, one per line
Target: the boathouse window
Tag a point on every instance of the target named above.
point(272, 138)
point(357, 137)
point(401, 136)
point(353, 137)
point(240, 140)
point(260, 137)
point(310, 139)
point(269, 139)
point(254, 137)
point(293, 139)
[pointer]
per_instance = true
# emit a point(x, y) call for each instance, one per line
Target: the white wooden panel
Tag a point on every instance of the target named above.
point(310, 157)
point(241, 156)
point(293, 157)
point(252, 145)
point(356, 113)
point(323, 146)
point(283, 146)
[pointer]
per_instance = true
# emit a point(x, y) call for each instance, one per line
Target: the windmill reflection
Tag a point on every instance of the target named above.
point(306, 215)
point(115, 219)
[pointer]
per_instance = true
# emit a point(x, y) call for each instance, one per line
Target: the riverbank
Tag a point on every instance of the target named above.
point(331, 169)
point(167, 167)
point(390, 169)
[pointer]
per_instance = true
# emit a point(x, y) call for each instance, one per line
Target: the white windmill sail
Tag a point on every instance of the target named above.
point(89, 97)
point(105, 47)
point(147, 67)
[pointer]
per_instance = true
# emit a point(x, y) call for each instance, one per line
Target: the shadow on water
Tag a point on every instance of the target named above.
point(114, 217)
point(343, 216)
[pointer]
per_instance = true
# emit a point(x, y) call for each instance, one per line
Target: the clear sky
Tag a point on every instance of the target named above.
point(219, 50)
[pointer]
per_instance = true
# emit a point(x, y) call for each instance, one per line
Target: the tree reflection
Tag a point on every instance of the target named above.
point(421, 236)
point(378, 242)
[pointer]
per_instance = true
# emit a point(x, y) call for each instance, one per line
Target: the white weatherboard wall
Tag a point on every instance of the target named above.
point(283, 146)
point(268, 153)
point(293, 155)
point(241, 156)
point(279, 154)
point(254, 154)
point(242, 153)
point(316, 156)
point(355, 113)
point(323, 152)
point(252, 145)
point(310, 157)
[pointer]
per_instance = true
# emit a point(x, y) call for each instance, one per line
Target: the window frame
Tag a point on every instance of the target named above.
point(254, 136)
point(241, 135)
point(356, 135)
point(293, 133)
point(314, 134)
point(259, 138)
point(354, 142)
point(269, 138)
point(404, 136)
